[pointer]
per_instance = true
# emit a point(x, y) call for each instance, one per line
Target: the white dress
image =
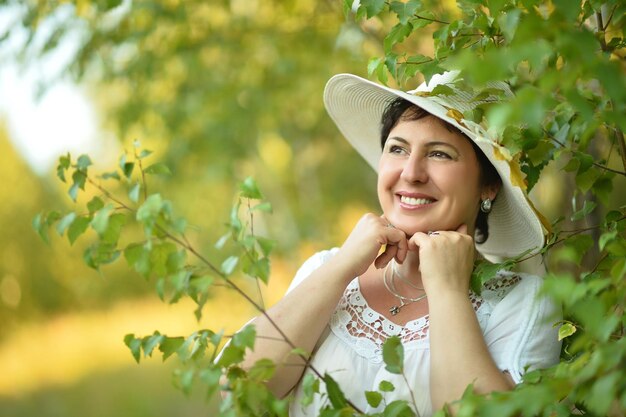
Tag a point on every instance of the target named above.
point(517, 327)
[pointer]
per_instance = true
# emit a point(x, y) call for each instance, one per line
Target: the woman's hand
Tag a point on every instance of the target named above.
point(362, 247)
point(446, 259)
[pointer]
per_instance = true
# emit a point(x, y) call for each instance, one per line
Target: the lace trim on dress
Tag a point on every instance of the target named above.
point(365, 330)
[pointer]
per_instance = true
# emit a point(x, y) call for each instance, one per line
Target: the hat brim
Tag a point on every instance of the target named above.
point(356, 106)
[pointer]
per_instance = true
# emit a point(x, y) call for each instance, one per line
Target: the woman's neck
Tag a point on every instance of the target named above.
point(409, 269)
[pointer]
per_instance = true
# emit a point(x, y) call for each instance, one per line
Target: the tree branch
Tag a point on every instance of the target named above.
point(619, 136)
point(600, 31)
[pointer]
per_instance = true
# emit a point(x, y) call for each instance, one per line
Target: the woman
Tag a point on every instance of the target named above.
point(406, 271)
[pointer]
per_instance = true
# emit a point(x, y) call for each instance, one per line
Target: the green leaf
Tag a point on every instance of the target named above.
point(566, 329)
point(159, 256)
point(373, 64)
point(126, 167)
point(442, 90)
point(158, 169)
point(41, 227)
point(83, 162)
point(64, 164)
point(150, 342)
point(100, 220)
point(134, 345)
point(310, 387)
point(393, 355)
point(100, 254)
point(144, 153)
point(114, 228)
point(138, 258)
point(603, 393)
point(405, 10)
point(264, 207)
point(114, 175)
point(335, 395)
point(150, 209)
point(396, 35)
point(133, 194)
point(222, 240)
point(211, 376)
point(77, 228)
point(588, 207)
point(170, 345)
point(249, 189)
point(373, 7)
point(262, 370)
point(245, 337)
point(386, 386)
point(373, 398)
point(73, 191)
point(266, 245)
point(259, 269)
point(95, 204)
point(508, 22)
point(398, 408)
point(229, 265)
point(65, 222)
point(231, 355)
point(606, 238)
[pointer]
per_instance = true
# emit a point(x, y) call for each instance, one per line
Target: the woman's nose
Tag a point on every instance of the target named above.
point(414, 170)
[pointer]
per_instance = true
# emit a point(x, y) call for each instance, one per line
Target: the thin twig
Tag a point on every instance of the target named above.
point(619, 136)
point(597, 165)
point(600, 31)
point(258, 284)
point(143, 177)
point(109, 195)
point(406, 381)
point(443, 22)
point(556, 242)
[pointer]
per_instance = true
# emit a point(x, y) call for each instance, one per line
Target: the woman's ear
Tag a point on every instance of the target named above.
point(490, 191)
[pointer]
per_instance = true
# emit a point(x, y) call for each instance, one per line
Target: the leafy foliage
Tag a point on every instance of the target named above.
point(565, 62)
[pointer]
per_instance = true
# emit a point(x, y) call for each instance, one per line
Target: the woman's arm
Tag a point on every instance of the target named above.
point(302, 316)
point(458, 353)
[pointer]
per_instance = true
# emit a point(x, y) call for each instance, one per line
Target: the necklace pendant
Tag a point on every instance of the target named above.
point(394, 310)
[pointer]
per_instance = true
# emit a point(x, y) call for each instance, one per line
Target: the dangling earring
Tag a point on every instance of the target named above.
point(485, 205)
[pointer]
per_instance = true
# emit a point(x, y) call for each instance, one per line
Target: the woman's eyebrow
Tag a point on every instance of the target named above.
point(399, 139)
point(438, 143)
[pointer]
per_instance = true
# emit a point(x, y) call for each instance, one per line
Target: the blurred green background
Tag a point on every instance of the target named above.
point(220, 90)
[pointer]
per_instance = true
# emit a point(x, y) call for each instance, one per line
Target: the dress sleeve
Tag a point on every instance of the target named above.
point(520, 332)
point(310, 265)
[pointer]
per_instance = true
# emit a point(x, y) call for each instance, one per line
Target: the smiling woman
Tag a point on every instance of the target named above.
point(406, 273)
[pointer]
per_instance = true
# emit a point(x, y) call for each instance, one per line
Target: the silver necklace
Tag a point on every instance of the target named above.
point(394, 269)
point(404, 301)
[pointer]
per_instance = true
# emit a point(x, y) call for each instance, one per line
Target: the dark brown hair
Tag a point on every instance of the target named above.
point(401, 109)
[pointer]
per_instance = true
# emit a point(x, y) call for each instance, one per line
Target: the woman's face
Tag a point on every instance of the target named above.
point(429, 178)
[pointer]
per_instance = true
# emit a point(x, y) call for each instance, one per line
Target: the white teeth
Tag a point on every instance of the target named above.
point(415, 201)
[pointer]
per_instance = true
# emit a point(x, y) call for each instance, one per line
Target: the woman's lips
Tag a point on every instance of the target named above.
point(414, 200)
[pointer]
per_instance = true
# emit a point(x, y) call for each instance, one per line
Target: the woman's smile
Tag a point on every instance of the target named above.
point(414, 201)
point(428, 177)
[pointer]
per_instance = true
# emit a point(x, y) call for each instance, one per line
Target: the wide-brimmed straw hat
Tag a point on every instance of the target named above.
point(356, 105)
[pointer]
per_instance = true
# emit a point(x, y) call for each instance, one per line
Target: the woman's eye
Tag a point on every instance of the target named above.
point(396, 149)
point(440, 154)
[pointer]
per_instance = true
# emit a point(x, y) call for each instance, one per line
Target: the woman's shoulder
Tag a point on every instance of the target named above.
point(311, 264)
point(510, 285)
